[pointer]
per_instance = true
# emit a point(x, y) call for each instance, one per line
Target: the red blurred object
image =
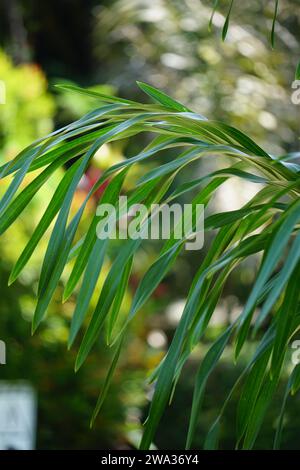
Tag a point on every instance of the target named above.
point(90, 178)
point(161, 290)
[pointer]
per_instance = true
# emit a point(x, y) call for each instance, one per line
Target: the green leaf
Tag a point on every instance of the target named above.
point(14, 185)
point(23, 199)
point(207, 365)
point(274, 23)
point(93, 94)
point(109, 196)
point(226, 24)
point(280, 240)
point(215, 6)
point(44, 223)
point(267, 224)
point(56, 239)
point(295, 375)
point(258, 413)
point(87, 288)
point(48, 290)
point(297, 73)
point(162, 98)
point(107, 383)
point(116, 306)
point(212, 438)
point(151, 280)
point(287, 312)
point(250, 392)
point(295, 380)
point(282, 278)
point(110, 286)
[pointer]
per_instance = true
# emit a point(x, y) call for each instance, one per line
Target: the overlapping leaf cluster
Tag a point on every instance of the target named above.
point(268, 225)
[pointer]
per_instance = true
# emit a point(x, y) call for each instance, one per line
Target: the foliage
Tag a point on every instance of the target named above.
point(43, 359)
point(267, 225)
point(29, 108)
point(241, 80)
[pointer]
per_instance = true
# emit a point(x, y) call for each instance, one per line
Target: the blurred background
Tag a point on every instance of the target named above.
point(109, 45)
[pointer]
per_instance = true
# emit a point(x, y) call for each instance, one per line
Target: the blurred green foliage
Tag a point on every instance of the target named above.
point(65, 399)
point(29, 108)
point(241, 81)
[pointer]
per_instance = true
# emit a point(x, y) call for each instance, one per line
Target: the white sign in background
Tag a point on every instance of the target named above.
point(17, 416)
